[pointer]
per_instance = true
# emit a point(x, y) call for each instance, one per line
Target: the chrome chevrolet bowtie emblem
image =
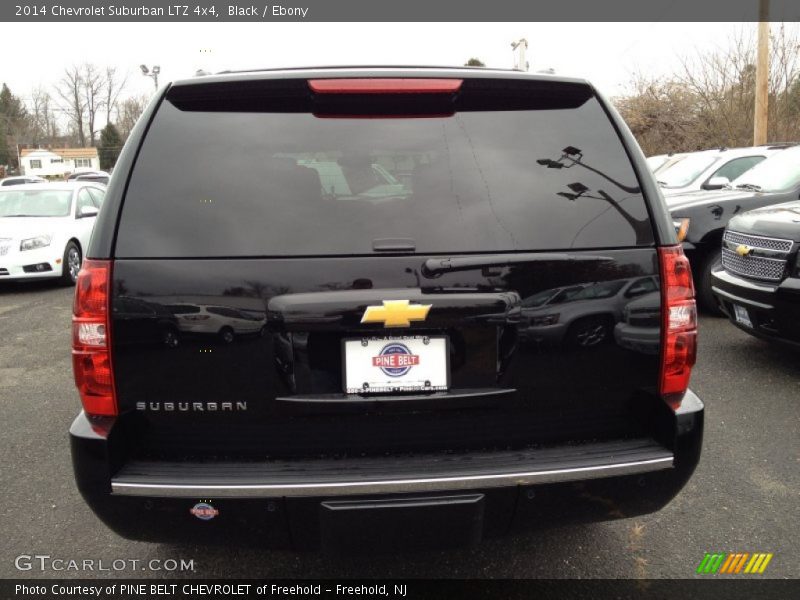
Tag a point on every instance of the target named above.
point(743, 250)
point(396, 313)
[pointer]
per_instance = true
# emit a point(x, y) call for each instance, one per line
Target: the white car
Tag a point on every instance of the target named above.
point(83, 171)
point(660, 162)
point(21, 180)
point(711, 169)
point(45, 229)
point(225, 322)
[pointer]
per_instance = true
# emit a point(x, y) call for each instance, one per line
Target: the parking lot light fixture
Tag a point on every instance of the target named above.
point(147, 72)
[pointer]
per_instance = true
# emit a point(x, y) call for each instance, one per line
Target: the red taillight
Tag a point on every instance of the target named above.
point(384, 86)
point(91, 342)
point(679, 331)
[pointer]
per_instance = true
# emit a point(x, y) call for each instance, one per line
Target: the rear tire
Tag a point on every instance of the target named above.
point(71, 264)
point(226, 335)
point(170, 338)
point(589, 332)
point(705, 297)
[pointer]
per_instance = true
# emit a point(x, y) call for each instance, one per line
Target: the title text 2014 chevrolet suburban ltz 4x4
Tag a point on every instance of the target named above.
point(302, 316)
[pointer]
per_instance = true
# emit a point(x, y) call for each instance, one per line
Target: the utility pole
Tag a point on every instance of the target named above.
point(762, 76)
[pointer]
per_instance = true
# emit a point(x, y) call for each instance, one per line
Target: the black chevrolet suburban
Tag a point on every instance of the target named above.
point(759, 285)
point(299, 318)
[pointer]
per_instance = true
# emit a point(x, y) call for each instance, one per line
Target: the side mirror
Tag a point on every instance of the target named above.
point(716, 183)
point(87, 211)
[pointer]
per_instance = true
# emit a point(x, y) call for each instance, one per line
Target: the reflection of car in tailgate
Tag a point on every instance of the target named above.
point(640, 328)
point(585, 316)
point(390, 399)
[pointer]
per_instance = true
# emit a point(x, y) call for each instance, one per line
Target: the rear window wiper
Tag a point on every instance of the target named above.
point(434, 267)
point(750, 187)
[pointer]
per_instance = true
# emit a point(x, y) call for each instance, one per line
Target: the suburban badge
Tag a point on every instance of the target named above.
point(743, 250)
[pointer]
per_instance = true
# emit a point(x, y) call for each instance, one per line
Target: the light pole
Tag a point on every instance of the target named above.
point(151, 73)
point(520, 46)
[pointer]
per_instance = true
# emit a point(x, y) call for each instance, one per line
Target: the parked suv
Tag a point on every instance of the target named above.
point(584, 317)
point(700, 219)
point(389, 400)
point(759, 285)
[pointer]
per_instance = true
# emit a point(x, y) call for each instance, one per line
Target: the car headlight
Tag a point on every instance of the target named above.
point(551, 319)
point(681, 228)
point(40, 241)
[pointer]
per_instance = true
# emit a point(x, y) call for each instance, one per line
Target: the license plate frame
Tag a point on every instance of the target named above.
point(742, 316)
point(419, 377)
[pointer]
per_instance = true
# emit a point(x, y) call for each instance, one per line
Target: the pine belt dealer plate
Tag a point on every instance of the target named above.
point(385, 365)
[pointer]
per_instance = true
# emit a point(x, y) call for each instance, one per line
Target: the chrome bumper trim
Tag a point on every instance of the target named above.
point(388, 486)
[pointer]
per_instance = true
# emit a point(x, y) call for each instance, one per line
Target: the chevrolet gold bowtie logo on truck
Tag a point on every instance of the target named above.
point(743, 250)
point(396, 313)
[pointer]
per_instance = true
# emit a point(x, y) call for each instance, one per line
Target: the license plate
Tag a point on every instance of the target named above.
point(742, 316)
point(384, 365)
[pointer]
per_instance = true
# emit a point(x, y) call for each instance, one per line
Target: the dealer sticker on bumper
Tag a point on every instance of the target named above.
point(742, 316)
point(395, 364)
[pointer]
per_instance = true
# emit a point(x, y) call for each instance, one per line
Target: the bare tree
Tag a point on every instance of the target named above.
point(723, 83)
point(70, 90)
point(114, 84)
point(661, 113)
point(128, 112)
point(44, 127)
point(710, 101)
point(94, 89)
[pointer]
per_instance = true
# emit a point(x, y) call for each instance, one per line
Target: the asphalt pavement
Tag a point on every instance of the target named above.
point(744, 496)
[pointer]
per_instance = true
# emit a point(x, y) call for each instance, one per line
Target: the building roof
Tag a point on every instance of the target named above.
point(62, 152)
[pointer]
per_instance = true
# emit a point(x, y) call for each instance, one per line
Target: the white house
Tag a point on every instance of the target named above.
point(58, 162)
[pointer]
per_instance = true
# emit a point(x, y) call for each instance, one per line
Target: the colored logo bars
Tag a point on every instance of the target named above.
point(734, 563)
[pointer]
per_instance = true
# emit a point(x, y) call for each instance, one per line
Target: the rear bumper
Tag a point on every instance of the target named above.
point(774, 310)
point(409, 501)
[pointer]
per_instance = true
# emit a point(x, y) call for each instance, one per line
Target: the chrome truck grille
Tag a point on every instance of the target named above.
point(757, 241)
point(765, 257)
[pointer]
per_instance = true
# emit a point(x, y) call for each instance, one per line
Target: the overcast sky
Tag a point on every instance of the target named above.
point(606, 53)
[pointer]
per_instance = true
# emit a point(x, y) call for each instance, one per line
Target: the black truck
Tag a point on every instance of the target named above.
point(759, 285)
point(700, 218)
point(379, 229)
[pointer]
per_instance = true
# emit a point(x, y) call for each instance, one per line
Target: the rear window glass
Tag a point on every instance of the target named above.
point(224, 183)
